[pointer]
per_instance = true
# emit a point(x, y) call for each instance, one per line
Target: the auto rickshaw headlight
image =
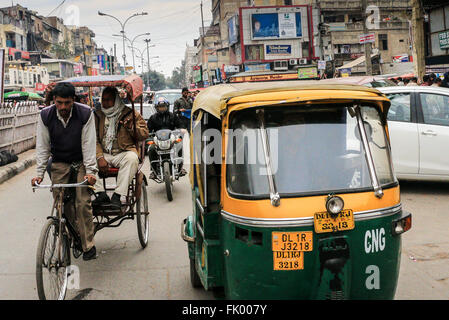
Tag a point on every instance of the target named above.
point(334, 205)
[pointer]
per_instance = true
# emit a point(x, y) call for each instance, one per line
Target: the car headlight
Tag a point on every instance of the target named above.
point(334, 205)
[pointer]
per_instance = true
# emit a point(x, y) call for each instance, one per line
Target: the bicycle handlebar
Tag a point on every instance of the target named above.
point(83, 184)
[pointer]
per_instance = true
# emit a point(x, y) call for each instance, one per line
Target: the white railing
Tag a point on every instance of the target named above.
point(18, 126)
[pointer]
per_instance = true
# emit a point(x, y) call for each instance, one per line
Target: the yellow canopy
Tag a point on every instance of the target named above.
point(215, 99)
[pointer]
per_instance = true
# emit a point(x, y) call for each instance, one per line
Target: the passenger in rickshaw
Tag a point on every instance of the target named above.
point(116, 143)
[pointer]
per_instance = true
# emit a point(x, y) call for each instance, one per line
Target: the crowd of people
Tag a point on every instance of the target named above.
point(427, 80)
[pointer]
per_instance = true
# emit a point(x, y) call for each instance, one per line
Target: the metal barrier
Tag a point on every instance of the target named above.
point(18, 123)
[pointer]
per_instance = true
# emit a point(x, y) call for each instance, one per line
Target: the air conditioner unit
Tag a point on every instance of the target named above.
point(293, 62)
point(280, 65)
point(302, 61)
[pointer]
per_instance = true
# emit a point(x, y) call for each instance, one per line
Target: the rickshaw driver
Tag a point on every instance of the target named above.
point(116, 146)
point(66, 131)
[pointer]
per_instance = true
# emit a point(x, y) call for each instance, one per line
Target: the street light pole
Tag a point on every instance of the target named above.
point(123, 30)
point(132, 45)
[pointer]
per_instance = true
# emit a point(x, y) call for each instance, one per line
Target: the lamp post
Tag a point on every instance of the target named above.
point(123, 29)
point(132, 45)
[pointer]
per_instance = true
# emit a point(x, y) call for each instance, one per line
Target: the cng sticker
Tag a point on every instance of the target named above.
point(373, 280)
point(375, 240)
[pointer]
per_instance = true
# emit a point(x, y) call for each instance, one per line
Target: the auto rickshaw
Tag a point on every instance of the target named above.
point(294, 193)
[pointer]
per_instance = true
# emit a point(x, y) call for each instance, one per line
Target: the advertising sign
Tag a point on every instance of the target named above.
point(401, 58)
point(278, 49)
point(287, 25)
point(345, 72)
point(2, 72)
point(276, 25)
point(258, 67)
point(232, 30)
point(321, 65)
point(307, 73)
point(443, 37)
point(366, 38)
point(78, 68)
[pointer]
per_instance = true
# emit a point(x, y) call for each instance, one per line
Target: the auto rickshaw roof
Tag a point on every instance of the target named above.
point(216, 98)
point(133, 84)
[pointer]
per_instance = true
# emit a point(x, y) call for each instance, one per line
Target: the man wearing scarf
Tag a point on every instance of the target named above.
point(117, 144)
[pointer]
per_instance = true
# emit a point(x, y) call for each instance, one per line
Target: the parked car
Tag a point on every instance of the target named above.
point(418, 122)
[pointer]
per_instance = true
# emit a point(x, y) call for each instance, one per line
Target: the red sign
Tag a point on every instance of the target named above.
point(366, 38)
point(196, 67)
point(40, 87)
point(23, 54)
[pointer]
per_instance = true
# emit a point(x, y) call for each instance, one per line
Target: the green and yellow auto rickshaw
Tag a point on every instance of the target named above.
point(294, 193)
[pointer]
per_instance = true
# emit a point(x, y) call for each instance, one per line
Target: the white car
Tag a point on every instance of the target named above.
point(418, 122)
point(170, 94)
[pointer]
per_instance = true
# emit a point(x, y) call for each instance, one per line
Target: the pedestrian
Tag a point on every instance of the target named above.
point(425, 80)
point(445, 82)
point(66, 131)
point(406, 82)
point(181, 106)
point(437, 82)
point(400, 82)
point(413, 82)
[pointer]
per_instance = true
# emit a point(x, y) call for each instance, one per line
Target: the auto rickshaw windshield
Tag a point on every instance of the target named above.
point(314, 149)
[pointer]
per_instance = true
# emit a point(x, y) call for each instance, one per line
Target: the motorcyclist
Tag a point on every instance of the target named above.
point(163, 119)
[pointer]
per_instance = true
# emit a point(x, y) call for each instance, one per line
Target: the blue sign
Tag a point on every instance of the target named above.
point(232, 30)
point(258, 67)
point(298, 24)
point(278, 49)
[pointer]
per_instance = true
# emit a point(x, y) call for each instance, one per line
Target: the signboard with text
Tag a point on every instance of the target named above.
point(443, 38)
point(367, 38)
point(276, 25)
point(278, 49)
point(233, 31)
point(307, 73)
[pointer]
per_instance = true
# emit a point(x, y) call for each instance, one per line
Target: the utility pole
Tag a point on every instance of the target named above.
point(148, 57)
point(369, 66)
point(202, 40)
point(419, 63)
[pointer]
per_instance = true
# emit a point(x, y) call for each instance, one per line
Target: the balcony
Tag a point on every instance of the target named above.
point(354, 5)
point(384, 25)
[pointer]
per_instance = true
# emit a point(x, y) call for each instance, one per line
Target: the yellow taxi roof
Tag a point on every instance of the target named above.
point(217, 98)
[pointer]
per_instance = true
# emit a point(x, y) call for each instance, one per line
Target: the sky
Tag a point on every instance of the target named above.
point(171, 23)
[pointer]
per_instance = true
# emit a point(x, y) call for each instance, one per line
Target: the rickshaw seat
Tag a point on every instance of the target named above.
point(111, 172)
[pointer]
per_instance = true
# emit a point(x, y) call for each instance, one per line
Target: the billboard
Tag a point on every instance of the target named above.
point(233, 32)
point(276, 25)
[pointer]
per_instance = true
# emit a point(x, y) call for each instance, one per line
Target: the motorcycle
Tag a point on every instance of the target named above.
point(166, 168)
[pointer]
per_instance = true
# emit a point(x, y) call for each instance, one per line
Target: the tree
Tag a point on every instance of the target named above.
point(177, 80)
point(61, 50)
point(157, 80)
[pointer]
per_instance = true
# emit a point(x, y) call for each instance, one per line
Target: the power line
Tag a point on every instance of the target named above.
point(56, 8)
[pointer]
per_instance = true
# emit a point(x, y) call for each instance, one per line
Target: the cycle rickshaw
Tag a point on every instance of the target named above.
point(58, 236)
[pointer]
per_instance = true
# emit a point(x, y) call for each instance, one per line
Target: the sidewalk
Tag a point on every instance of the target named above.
point(26, 160)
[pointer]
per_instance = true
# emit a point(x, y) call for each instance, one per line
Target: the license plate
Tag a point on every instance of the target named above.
point(324, 222)
point(292, 241)
point(288, 260)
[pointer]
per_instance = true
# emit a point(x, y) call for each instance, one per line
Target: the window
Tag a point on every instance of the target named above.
point(288, 2)
point(400, 107)
point(383, 41)
point(315, 165)
point(435, 108)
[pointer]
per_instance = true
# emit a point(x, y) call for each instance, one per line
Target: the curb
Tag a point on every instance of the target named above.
point(12, 169)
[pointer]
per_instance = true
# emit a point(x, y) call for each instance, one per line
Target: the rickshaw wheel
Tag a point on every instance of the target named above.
point(168, 181)
point(194, 278)
point(143, 222)
point(51, 274)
